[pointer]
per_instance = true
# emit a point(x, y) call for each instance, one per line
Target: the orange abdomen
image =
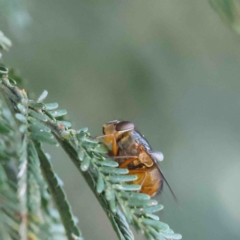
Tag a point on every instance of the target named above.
point(150, 179)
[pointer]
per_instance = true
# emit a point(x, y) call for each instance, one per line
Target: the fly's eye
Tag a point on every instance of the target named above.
point(124, 126)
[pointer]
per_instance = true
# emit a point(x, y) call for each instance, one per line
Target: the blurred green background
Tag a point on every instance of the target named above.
point(171, 67)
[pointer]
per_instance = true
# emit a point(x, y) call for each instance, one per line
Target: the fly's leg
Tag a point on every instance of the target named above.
point(110, 139)
point(140, 173)
point(126, 162)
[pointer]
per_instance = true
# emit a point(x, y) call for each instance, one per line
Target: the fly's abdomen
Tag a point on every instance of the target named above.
point(150, 180)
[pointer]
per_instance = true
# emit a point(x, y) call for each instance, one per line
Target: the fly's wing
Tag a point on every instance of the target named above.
point(155, 156)
point(139, 138)
point(165, 180)
point(158, 157)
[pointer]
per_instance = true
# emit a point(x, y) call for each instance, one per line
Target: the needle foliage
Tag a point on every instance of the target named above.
point(33, 204)
point(229, 12)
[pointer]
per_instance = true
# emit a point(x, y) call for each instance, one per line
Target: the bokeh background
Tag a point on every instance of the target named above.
point(171, 67)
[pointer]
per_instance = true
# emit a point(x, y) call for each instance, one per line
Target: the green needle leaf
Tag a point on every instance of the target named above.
point(85, 164)
point(21, 117)
point(5, 43)
point(113, 205)
point(37, 115)
point(100, 149)
point(134, 202)
point(21, 108)
point(36, 126)
point(124, 178)
point(4, 128)
point(157, 224)
point(100, 183)
point(127, 187)
point(111, 170)
point(137, 196)
point(81, 154)
point(107, 163)
point(58, 113)
point(43, 137)
point(109, 194)
point(152, 216)
point(42, 96)
point(173, 236)
point(51, 106)
point(150, 209)
point(37, 105)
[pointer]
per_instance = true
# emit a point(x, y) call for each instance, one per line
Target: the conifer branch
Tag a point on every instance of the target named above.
point(229, 12)
point(63, 137)
point(28, 174)
point(5, 43)
point(58, 194)
point(38, 123)
point(102, 175)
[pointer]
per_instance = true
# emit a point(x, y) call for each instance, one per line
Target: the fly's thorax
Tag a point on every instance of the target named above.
point(127, 145)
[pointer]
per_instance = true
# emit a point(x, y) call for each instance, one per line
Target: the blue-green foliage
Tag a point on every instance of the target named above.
point(27, 209)
point(29, 186)
point(228, 11)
